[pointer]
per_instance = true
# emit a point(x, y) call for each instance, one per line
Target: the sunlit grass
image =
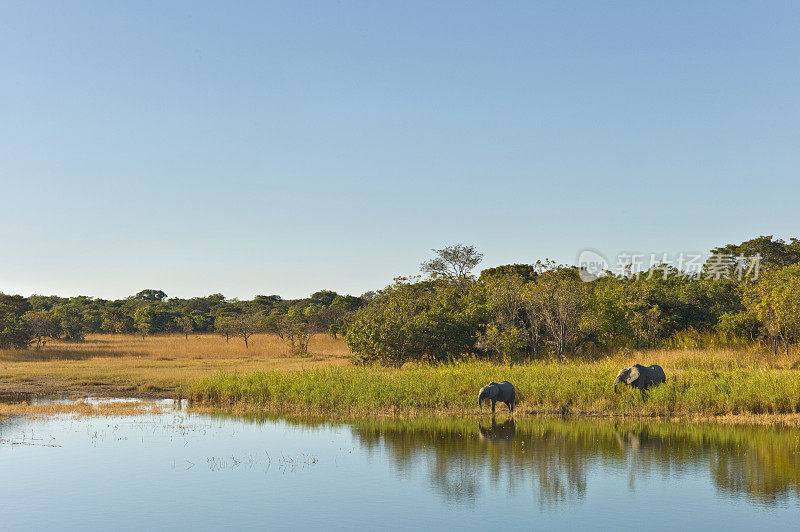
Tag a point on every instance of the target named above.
point(175, 346)
point(694, 387)
point(700, 382)
point(157, 365)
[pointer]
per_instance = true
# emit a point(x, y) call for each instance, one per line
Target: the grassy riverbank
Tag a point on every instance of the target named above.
point(743, 384)
point(699, 384)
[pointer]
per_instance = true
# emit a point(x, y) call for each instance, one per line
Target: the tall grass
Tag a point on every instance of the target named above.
point(542, 387)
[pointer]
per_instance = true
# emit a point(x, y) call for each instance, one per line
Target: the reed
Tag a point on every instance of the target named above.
point(695, 387)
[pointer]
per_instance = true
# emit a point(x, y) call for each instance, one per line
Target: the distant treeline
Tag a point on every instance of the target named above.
point(511, 312)
point(36, 319)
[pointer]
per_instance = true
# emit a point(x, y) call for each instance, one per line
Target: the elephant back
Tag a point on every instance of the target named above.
point(507, 391)
point(658, 373)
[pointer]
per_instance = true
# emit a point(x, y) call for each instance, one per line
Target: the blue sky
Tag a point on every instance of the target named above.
point(259, 148)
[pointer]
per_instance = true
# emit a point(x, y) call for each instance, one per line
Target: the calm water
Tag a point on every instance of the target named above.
point(187, 471)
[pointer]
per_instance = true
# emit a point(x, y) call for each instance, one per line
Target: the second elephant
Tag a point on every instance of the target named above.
point(641, 377)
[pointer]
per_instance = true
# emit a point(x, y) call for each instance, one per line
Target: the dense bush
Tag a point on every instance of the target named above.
point(433, 320)
point(518, 312)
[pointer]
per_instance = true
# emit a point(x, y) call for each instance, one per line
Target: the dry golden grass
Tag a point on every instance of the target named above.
point(155, 366)
point(679, 359)
point(176, 345)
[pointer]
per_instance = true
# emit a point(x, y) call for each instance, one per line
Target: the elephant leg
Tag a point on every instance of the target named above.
point(493, 403)
point(510, 406)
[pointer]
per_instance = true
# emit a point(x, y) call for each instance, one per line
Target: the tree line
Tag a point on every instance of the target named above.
point(528, 311)
point(35, 320)
point(512, 312)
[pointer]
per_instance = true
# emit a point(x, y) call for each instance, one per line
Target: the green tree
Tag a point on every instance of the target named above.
point(42, 326)
point(15, 332)
point(69, 317)
point(323, 297)
point(507, 333)
point(116, 320)
point(143, 319)
point(453, 263)
point(775, 300)
point(225, 325)
point(435, 321)
point(773, 252)
point(743, 324)
point(560, 299)
point(527, 272)
point(246, 325)
point(295, 328)
point(185, 324)
point(150, 294)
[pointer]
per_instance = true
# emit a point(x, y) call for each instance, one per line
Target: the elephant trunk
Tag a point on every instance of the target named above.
point(481, 397)
point(616, 381)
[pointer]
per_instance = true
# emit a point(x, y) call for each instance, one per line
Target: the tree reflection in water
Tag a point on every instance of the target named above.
point(760, 463)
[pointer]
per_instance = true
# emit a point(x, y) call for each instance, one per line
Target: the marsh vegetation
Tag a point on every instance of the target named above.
point(700, 383)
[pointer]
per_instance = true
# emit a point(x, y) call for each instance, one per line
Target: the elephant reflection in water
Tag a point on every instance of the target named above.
point(503, 432)
point(628, 440)
point(636, 439)
point(644, 453)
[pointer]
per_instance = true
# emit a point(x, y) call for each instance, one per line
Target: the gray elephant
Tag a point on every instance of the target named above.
point(498, 391)
point(641, 377)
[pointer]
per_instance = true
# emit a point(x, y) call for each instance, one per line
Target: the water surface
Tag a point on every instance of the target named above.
point(179, 470)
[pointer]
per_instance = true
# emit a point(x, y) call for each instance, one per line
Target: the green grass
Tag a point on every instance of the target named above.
point(694, 387)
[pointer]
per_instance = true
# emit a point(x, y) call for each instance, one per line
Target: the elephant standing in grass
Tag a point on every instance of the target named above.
point(641, 377)
point(498, 391)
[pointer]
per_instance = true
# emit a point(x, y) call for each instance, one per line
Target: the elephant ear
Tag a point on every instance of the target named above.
point(632, 375)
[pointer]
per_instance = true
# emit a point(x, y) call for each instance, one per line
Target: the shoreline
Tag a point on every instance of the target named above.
point(703, 385)
point(774, 420)
point(15, 401)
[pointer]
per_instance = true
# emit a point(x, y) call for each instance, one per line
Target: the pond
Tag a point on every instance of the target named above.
point(181, 470)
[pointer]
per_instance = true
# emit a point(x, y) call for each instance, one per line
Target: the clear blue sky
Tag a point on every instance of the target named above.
point(258, 148)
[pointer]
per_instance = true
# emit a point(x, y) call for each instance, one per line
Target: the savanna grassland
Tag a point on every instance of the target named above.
point(745, 384)
point(156, 366)
point(727, 336)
